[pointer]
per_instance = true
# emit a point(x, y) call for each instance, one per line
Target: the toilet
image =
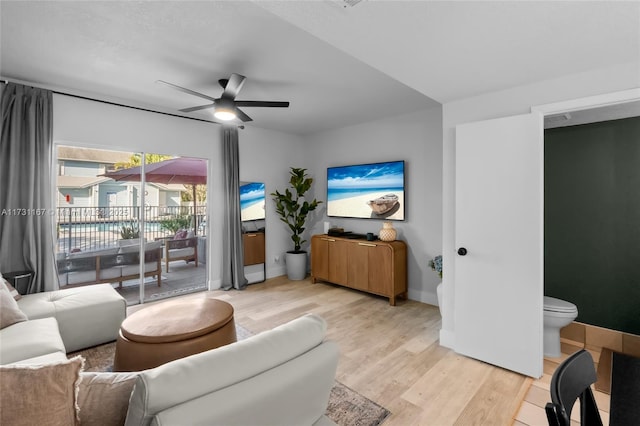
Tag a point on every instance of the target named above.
point(557, 314)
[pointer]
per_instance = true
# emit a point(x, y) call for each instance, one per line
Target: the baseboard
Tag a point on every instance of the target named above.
point(423, 296)
point(255, 277)
point(276, 271)
point(215, 284)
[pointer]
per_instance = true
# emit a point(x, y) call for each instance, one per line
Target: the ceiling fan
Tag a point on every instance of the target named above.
point(226, 106)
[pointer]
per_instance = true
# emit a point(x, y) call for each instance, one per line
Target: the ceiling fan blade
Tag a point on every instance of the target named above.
point(272, 104)
point(233, 86)
point(182, 89)
point(197, 108)
point(242, 116)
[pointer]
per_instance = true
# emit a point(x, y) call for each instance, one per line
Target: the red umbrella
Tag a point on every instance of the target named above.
point(181, 170)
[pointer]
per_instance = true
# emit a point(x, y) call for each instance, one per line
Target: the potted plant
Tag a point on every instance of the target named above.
point(130, 231)
point(293, 210)
point(436, 265)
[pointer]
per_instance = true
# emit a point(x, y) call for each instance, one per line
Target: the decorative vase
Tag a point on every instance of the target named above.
point(439, 295)
point(388, 232)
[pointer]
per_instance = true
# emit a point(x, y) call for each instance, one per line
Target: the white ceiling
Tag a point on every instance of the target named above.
point(337, 66)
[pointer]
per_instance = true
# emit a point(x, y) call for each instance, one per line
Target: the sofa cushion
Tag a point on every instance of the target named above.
point(43, 359)
point(181, 252)
point(135, 269)
point(155, 389)
point(86, 316)
point(78, 277)
point(135, 248)
point(10, 313)
point(40, 394)
point(30, 339)
point(129, 242)
point(93, 253)
point(103, 398)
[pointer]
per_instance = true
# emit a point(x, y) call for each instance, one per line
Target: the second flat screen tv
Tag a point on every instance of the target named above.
point(366, 191)
point(252, 200)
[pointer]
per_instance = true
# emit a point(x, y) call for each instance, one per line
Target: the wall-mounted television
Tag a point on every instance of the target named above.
point(252, 201)
point(366, 191)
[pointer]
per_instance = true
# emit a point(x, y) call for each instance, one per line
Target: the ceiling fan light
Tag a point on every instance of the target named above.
point(224, 114)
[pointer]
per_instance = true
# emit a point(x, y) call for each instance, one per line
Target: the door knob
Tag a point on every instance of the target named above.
point(462, 251)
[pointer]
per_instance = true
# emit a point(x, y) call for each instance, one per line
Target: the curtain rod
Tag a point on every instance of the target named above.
point(123, 105)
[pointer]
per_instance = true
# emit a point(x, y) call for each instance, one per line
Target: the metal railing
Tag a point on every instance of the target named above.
point(87, 228)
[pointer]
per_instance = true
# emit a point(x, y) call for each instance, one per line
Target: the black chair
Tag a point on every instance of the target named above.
point(572, 380)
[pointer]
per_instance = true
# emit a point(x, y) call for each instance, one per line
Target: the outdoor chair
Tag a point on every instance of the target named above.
point(183, 246)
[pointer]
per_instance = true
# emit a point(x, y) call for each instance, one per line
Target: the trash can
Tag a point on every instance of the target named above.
point(20, 280)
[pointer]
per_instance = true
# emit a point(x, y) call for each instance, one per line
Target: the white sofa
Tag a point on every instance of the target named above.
point(279, 377)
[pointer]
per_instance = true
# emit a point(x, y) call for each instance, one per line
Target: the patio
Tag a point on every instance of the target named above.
point(182, 278)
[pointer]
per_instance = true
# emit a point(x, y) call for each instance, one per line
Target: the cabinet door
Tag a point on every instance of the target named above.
point(253, 248)
point(338, 261)
point(320, 258)
point(358, 259)
point(380, 270)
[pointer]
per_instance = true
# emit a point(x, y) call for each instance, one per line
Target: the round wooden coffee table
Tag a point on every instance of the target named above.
point(170, 330)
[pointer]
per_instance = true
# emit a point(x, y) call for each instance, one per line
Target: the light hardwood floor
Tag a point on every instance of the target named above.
point(389, 354)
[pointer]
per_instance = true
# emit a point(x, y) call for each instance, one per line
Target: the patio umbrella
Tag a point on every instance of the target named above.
point(180, 170)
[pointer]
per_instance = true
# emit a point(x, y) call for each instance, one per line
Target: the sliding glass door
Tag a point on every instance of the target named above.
point(120, 221)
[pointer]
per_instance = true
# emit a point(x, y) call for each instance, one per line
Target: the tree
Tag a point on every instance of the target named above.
point(201, 193)
point(136, 160)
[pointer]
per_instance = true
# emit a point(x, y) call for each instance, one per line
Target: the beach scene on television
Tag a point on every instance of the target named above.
point(374, 191)
point(252, 201)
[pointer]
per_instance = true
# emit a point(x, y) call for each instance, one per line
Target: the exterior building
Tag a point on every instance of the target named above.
point(80, 184)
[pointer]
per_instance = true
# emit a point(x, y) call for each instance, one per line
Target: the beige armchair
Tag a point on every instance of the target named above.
point(181, 249)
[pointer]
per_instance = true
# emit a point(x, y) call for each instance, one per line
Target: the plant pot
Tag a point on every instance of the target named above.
point(439, 294)
point(296, 263)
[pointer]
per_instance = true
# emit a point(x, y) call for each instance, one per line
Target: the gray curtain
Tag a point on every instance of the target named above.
point(232, 253)
point(26, 193)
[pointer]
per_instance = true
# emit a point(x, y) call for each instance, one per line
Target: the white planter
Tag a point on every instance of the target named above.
point(439, 294)
point(296, 265)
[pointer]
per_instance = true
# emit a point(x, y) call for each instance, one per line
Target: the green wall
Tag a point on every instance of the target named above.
point(592, 221)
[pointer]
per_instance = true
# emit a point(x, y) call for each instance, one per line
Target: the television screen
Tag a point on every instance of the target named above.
point(252, 200)
point(371, 191)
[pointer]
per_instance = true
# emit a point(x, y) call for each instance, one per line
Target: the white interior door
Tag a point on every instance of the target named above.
point(499, 221)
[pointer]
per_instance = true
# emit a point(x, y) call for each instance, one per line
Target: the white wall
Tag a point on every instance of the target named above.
point(518, 100)
point(265, 156)
point(416, 139)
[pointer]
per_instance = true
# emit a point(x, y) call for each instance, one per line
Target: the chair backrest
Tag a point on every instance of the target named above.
point(572, 380)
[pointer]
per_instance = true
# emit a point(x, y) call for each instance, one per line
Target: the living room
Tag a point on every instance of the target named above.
point(423, 135)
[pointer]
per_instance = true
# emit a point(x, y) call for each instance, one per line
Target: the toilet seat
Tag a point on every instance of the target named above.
point(551, 304)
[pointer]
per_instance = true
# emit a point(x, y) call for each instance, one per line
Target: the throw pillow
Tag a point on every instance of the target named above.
point(103, 398)
point(12, 290)
point(10, 312)
point(40, 394)
point(180, 235)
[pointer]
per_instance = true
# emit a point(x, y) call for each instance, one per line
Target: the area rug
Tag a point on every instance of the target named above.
point(346, 407)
